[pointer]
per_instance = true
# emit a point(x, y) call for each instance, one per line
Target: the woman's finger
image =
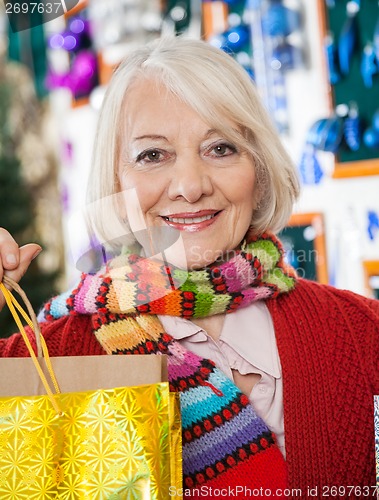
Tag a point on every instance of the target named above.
point(26, 254)
point(9, 252)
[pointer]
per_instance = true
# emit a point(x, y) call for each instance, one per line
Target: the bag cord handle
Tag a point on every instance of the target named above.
point(42, 350)
point(35, 326)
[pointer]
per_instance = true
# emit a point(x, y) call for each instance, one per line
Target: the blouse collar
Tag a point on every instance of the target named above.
point(248, 330)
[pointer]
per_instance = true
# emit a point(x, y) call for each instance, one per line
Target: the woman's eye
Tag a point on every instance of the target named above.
point(151, 156)
point(224, 149)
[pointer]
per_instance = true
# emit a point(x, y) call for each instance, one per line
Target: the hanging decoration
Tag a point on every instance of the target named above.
point(82, 76)
point(265, 37)
point(352, 54)
point(226, 26)
point(348, 37)
point(324, 135)
point(342, 130)
point(352, 128)
point(368, 65)
point(371, 134)
point(309, 166)
point(280, 21)
point(373, 224)
point(178, 15)
point(332, 59)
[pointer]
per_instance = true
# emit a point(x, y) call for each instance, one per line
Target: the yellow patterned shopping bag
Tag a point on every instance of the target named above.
point(104, 444)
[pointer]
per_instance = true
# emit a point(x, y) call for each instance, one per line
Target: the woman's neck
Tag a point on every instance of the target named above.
point(211, 324)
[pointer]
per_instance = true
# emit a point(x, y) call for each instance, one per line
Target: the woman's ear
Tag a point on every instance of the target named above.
point(257, 198)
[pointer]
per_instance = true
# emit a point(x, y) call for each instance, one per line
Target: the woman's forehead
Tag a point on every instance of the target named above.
point(149, 107)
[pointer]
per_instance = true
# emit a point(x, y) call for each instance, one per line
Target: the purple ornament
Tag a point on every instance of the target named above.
point(71, 42)
point(55, 80)
point(77, 25)
point(56, 41)
point(75, 38)
point(81, 79)
point(84, 73)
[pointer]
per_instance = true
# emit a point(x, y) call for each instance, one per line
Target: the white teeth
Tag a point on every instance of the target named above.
point(193, 220)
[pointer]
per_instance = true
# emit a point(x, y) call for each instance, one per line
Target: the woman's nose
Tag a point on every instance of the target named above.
point(190, 180)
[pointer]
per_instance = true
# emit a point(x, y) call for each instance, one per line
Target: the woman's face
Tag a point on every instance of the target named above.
point(184, 175)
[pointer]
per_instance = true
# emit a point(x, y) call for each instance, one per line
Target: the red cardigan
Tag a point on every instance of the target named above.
point(327, 341)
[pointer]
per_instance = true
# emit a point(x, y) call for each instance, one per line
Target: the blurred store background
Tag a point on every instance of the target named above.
point(316, 65)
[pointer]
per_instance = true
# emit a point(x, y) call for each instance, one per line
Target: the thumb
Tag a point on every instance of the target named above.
point(27, 254)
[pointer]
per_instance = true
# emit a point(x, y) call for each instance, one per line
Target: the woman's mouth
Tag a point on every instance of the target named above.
point(192, 221)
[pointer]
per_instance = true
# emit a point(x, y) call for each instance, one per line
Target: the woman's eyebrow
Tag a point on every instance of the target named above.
point(210, 132)
point(149, 136)
point(213, 131)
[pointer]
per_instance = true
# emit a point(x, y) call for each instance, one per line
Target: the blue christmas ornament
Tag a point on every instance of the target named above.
point(331, 58)
point(352, 129)
point(368, 65)
point(236, 38)
point(286, 56)
point(279, 20)
point(375, 121)
point(373, 224)
point(309, 167)
point(326, 134)
point(347, 43)
point(376, 40)
point(314, 133)
point(371, 138)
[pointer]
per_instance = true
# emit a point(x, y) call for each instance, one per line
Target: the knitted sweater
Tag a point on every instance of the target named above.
point(327, 340)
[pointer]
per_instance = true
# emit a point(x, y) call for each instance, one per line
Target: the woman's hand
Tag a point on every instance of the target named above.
point(14, 260)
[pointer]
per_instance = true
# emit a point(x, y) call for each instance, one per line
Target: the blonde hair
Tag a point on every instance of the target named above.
point(215, 86)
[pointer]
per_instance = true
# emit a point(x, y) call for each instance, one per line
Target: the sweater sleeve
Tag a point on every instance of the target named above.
point(373, 342)
point(359, 322)
point(328, 341)
point(67, 336)
point(362, 314)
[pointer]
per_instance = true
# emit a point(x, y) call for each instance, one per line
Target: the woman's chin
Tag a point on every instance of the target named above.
point(188, 256)
point(189, 264)
point(200, 262)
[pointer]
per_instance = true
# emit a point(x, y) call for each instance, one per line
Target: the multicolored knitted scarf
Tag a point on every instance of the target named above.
point(225, 444)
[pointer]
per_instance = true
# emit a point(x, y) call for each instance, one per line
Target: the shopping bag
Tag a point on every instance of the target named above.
point(99, 438)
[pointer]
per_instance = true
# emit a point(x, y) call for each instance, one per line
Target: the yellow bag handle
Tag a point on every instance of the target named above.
point(42, 350)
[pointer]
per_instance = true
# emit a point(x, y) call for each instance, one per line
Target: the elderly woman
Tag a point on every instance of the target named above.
point(276, 374)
